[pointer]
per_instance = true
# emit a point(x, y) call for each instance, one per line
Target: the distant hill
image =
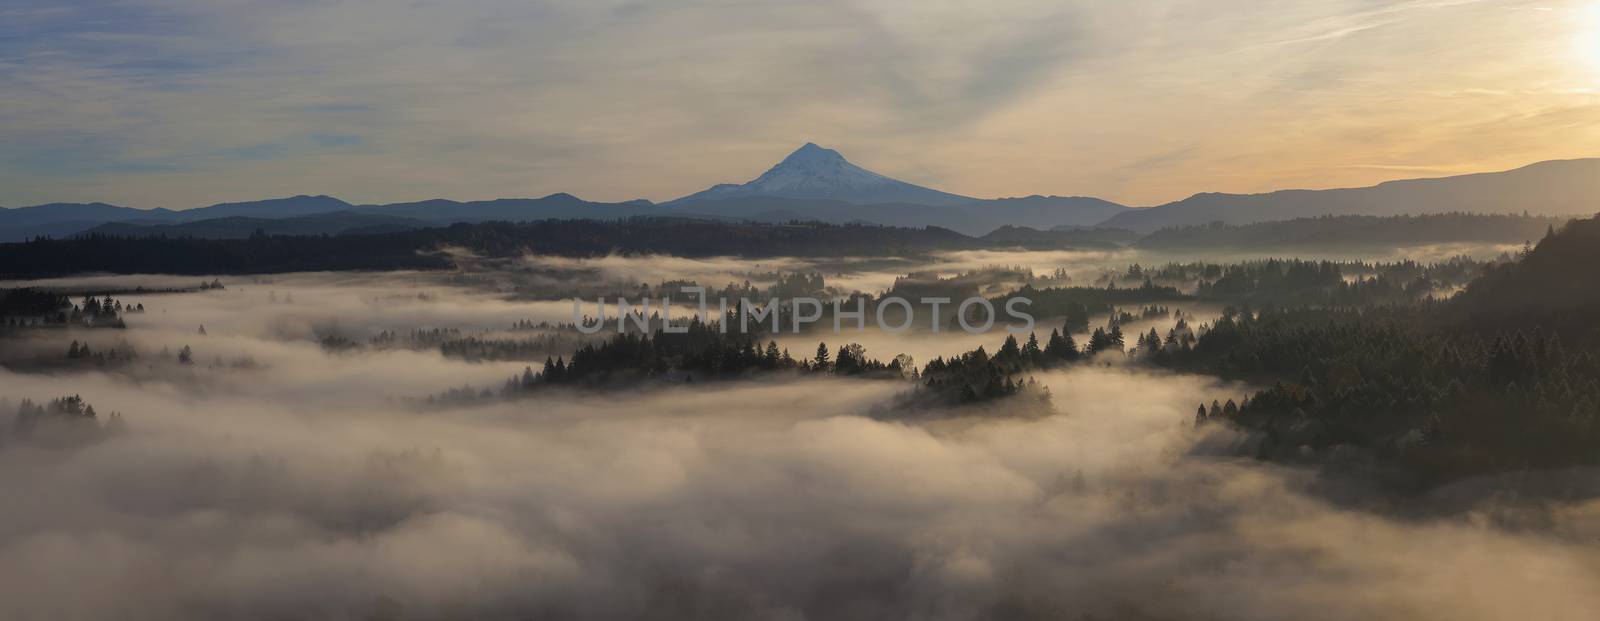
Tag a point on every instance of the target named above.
point(1354, 232)
point(972, 218)
point(1050, 211)
point(238, 227)
point(554, 206)
point(270, 208)
point(66, 219)
point(60, 219)
point(56, 228)
point(63, 219)
point(1025, 237)
point(813, 172)
point(1559, 187)
point(56, 212)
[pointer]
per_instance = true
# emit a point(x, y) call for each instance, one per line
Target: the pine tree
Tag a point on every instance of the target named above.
point(844, 363)
point(1098, 341)
point(1055, 349)
point(1077, 319)
point(1031, 350)
point(1009, 351)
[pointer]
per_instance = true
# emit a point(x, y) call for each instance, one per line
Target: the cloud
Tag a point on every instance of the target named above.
point(296, 489)
point(686, 504)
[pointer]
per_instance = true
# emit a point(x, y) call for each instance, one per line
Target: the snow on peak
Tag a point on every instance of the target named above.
point(814, 169)
point(816, 172)
point(811, 152)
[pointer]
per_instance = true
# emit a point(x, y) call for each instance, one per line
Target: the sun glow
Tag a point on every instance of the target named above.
point(1588, 36)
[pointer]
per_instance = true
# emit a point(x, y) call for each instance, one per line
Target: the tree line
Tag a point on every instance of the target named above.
point(1502, 377)
point(63, 422)
point(419, 249)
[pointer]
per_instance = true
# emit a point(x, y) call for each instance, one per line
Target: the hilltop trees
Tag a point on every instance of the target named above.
point(1440, 404)
point(119, 352)
point(406, 249)
point(63, 422)
point(820, 360)
point(977, 377)
point(702, 352)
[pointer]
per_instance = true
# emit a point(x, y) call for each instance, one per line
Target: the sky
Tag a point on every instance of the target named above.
point(184, 103)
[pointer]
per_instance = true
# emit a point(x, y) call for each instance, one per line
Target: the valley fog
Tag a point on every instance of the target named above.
point(290, 470)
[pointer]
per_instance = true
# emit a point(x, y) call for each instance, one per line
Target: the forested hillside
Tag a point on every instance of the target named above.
point(1502, 377)
point(1355, 232)
point(426, 248)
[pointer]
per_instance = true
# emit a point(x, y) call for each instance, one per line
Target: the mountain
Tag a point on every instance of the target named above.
point(812, 172)
point(66, 219)
point(270, 208)
point(56, 212)
point(1353, 233)
point(59, 219)
point(973, 217)
point(63, 219)
point(814, 183)
point(1049, 211)
point(555, 206)
point(818, 184)
point(1557, 187)
point(238, 227)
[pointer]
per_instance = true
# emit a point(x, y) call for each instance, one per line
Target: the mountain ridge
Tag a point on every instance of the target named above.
point(1550, 187)
point(815, 172)
point(238, 227)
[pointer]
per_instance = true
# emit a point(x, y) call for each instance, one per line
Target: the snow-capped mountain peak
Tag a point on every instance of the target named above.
point(820, 173)
point(813, 169)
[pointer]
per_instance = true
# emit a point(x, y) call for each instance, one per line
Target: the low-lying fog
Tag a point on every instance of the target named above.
point(297, 487)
